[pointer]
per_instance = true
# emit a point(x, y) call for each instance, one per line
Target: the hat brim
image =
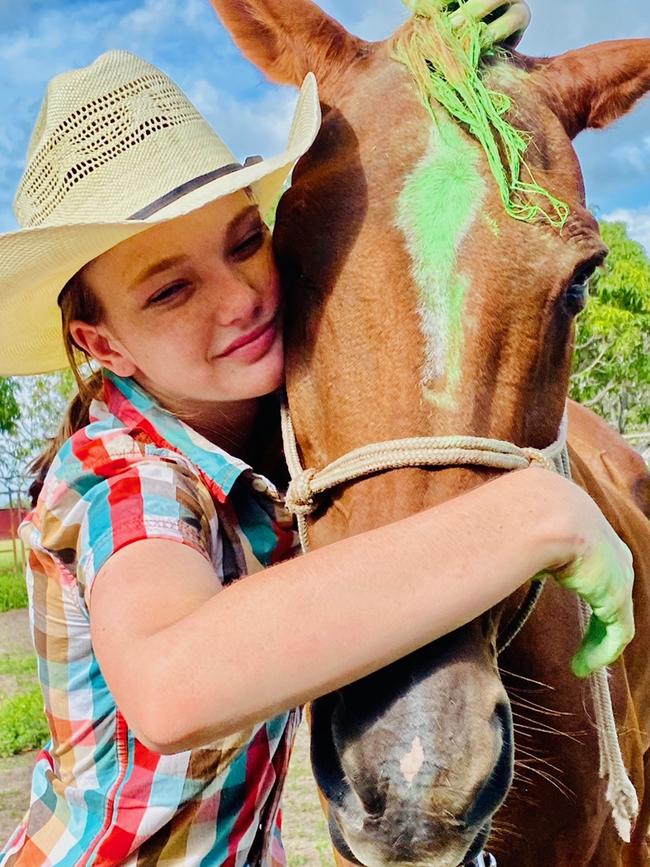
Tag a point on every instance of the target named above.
point(38, 262)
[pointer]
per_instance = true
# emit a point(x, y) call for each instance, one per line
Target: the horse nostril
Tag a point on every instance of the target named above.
point(495, 789)
point(374, 798)
point(503, 717)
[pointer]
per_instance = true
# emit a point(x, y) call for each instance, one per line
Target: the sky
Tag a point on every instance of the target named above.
point(40, 38)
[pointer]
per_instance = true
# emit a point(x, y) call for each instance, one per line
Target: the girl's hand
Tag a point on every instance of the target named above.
point(603, 576)
point(505, 29)
point(583, 553)
point(599, 568)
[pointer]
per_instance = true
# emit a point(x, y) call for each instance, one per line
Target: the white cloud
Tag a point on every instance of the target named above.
point(249, 126)
point(637, 221)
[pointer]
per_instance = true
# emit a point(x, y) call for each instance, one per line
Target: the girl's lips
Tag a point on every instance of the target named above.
point(253, 346)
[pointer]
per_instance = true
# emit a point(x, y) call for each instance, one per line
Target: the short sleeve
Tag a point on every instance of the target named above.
point(147, 499)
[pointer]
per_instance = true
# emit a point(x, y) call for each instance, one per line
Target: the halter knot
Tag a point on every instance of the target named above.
point(535, 456)
point(300, 496)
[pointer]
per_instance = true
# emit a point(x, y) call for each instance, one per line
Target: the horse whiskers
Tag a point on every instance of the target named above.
point(519, 777)
point(508, 673)
point(519, 708)
point(503, 832)
point(530, 764)
point(543, 728)
point(522, 798)
point(568, 793)
point(551, 778)
point(501, 826)
point(517, 701)
point(502, 836)
point(530, 755)
point(528, 732)
point(530, 761)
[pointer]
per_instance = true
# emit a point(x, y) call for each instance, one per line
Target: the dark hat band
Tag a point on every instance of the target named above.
point(190, 186)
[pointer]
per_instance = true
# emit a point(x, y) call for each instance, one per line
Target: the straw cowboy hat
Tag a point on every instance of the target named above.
point(117, 149)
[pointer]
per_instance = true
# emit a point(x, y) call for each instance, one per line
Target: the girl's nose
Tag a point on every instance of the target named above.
point(236, 302)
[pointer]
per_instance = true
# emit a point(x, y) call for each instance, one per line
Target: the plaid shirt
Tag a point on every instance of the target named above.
point(99, 796)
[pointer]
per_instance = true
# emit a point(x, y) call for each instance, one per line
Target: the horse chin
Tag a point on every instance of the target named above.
point(354, 836)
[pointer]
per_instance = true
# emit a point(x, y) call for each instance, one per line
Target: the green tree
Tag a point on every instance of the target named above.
point(612, 364)
point(42, 401)
point(9, 409)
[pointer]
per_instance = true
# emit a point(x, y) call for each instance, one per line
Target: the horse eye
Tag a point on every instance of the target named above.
point(576, 295)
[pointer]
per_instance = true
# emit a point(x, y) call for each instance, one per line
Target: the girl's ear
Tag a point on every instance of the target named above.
point(102, 347)
point(594, 86)
point(287, 39)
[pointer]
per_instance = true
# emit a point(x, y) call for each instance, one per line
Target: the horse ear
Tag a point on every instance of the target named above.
point(594, 86)
point(287, 39)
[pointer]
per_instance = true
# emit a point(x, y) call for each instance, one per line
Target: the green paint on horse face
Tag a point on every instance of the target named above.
point(436, 208)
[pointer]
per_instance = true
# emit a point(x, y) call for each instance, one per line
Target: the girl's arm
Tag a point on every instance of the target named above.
point(188, 665)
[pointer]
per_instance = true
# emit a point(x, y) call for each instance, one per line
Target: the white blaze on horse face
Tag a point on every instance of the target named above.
point(438, 204)
point(412, 762)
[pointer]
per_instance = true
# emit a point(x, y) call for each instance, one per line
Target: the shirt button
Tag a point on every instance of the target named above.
point(260, 486)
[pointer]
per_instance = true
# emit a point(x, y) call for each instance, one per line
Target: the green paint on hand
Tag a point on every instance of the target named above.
point(435, 211)
point(446, 62)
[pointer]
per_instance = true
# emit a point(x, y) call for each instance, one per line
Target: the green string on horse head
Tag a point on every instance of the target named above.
point(448, 64)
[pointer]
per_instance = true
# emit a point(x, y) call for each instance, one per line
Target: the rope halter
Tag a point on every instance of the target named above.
point(308, 484)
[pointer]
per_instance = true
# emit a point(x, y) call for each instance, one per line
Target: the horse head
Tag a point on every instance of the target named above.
point(417, 305)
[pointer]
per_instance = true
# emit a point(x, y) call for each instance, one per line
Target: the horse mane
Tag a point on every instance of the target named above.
point(448, 64)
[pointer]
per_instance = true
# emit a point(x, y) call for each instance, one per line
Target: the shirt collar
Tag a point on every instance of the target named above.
point(136, 408)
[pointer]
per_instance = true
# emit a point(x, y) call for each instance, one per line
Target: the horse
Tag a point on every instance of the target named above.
point(416, 306)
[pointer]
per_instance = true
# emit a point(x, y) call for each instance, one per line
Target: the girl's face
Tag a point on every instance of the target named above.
point(192, 307)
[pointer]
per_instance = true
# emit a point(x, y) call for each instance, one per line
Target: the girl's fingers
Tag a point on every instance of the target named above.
point(507, 27)
point(602, 644)
point(477, 9)
point(510, 27)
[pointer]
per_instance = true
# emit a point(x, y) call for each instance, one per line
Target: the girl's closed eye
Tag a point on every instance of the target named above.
point(251, 243)
point(167, 294)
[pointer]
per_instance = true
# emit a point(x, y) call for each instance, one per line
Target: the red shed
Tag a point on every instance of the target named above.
point(7, 516)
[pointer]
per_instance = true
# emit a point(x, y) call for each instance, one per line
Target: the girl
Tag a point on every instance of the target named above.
point(168, 684)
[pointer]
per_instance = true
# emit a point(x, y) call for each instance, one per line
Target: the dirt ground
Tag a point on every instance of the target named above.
point(14, 633)
point(305, 830)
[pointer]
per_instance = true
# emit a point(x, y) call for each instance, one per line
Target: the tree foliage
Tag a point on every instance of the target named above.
point(612, 365)
point(9, 409)
point(42, 401)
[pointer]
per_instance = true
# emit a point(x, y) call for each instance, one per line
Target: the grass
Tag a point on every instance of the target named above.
point(22, 723)
point(304, 828)
point(7, 559)
point(17, 666)
point(13, 590)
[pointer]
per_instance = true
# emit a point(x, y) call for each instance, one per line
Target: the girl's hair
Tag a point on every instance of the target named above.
point(77, 301)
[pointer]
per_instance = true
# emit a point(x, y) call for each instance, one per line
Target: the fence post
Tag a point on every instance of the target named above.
point(12, 522)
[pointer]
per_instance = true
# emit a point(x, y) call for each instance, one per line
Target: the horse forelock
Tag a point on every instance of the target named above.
point(449, 65)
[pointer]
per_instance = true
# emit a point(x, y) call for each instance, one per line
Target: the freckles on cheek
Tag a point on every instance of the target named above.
point(157, 344)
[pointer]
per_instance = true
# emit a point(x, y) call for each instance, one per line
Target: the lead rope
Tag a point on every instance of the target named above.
point(307, 485)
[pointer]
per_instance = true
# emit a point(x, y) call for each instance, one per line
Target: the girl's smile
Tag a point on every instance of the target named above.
point(254, 345)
